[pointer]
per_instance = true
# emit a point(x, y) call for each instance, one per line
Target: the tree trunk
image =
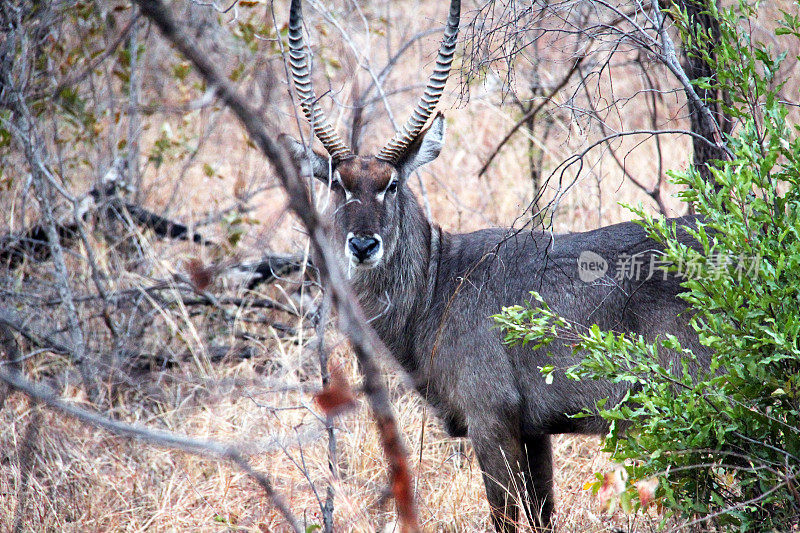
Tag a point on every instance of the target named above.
point(697, 68)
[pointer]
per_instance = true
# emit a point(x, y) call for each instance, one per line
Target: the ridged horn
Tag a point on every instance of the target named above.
point(396, 148)
point(301, 75)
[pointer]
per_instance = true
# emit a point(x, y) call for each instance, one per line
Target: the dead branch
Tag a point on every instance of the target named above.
point(323, 353)
point(164, 439)
point(264, 303)
point(9, 357)
point(25, 131)
point(531, 114)
point(352, 321)
point(670, 59)
point(9, 320)
point(33, 244)
point(271, 268)
point(163, 227)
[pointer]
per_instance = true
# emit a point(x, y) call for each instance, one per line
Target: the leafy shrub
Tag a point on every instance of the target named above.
point(725, 446)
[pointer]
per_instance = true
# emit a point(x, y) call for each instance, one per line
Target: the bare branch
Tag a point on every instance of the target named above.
point(9, 355)
point(530, 114)
point(44, 183)
point(672, 62)
point(322, 352)
point(165, 439)
point(96, 62)
point(352, 321)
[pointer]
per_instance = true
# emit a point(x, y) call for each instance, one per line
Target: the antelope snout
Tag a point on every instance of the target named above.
point(364, 250)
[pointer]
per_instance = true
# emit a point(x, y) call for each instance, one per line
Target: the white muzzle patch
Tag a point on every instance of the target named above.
point(364, 252)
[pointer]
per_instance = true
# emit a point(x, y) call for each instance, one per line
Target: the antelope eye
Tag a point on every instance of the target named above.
point(392, 188)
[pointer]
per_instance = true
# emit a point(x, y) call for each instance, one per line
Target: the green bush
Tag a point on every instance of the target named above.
point(724, 446)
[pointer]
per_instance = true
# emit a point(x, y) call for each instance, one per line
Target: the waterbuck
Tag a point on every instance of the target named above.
point(430, 294)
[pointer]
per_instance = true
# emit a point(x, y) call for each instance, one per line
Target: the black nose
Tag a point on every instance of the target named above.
point(364, 247)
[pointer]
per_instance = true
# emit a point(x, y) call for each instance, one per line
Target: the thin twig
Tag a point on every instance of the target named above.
point(80, 76)
point(322, 352)
point(530, 114)
point(134, 119)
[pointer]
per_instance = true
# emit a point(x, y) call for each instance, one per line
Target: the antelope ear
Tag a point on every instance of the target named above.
point(425, 148)
point(309, 162)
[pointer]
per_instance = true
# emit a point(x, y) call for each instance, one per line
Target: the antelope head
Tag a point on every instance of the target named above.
point(369, 191)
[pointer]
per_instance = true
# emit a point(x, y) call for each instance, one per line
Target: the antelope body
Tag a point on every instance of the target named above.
point(429, 295)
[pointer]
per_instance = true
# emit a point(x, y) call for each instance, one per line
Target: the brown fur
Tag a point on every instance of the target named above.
point(365, 174)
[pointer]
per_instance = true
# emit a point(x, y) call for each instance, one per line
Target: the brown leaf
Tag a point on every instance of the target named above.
point(647, 490)
point(200, 275)
point(613, 485)
point(403, 494)
point(240, 188)
point(337, 397)
point(402, 487)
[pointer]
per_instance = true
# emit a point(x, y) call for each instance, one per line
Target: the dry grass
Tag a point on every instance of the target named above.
point(83, 479)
